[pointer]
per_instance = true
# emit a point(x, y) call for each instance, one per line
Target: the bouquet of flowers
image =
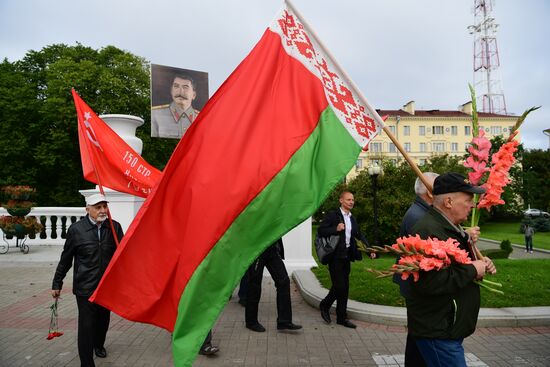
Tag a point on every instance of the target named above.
point(418, 255)
point(53, 331)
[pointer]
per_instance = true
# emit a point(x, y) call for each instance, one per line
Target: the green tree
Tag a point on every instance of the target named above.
point(38, 126)
point(536, 176)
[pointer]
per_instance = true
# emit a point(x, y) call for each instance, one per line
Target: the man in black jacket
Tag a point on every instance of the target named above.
point(419, 207)
point(90, 242)
point(443, 305)
point(340, 222)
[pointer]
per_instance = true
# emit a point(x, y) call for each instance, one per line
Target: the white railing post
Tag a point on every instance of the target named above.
point(48, 227)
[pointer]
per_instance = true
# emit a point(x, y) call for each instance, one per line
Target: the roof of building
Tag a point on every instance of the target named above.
point(437, 113)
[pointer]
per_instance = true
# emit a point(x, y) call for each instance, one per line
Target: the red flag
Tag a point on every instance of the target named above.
point(105, 154)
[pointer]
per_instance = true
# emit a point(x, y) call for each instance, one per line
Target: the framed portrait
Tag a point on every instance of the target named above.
point(177, 97)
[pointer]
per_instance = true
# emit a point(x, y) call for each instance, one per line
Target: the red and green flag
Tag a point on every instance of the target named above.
point(263, 154)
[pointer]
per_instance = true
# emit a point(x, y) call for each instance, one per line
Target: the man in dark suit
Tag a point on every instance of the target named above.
point(340, 222)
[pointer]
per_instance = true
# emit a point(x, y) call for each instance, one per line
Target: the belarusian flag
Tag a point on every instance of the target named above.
point(261, 157)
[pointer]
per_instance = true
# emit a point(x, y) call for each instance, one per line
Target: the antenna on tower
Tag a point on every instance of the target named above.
point(486, 60)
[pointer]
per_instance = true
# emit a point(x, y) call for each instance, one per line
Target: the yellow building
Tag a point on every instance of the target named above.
point(425, 133)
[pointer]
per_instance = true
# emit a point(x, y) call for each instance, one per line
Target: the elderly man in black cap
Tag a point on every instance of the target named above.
point(91, 243)
point(443, 305)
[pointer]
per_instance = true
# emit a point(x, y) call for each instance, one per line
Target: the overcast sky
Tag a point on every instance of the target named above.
point(394, 50)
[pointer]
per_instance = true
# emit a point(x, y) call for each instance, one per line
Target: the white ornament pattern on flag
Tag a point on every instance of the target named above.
point(345, 104)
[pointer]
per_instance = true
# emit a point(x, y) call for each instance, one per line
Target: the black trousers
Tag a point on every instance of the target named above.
point(93, 323)
point(413, 357)
point(271, 259)
point(339, 270)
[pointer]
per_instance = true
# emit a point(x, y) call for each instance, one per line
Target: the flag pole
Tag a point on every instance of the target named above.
point(115, 236)
point(362, 98)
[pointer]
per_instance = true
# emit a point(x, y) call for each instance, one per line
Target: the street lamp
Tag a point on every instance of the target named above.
point(374, 171)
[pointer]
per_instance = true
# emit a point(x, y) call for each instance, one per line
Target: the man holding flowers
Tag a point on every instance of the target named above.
point(444, 304)
point(90, 244)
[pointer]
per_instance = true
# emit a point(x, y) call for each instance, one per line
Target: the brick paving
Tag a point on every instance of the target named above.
point(24, 318)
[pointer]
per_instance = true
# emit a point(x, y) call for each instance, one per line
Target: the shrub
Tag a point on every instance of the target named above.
point(506, 245)
point(496, 253)
point(540, 224)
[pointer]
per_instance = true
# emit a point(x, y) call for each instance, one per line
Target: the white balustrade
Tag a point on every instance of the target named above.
point(51, 235)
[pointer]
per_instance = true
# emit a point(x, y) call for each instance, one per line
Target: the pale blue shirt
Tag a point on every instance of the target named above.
point(347, 223)
point(98, 225)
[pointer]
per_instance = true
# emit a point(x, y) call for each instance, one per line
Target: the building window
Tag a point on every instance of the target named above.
point(467, 130)
point(391, 147)
point(358, 164)
point(466, 146)
point(437, 130)
point(438, 147)
point(406, 130)
point(454, 130)
point(392, 129)
point(376, 147)
point(454, 147)
point(407, 147)
point(496, 130)
point(421, 161)
point(393, 161)
point(422, 130)
point(423, 147)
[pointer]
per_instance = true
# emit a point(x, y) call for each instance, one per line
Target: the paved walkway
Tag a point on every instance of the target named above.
point(518, 251)
point(25, 282)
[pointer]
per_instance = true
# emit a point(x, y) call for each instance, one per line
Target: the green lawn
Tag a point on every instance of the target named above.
point(510, 230)
point(525, 283)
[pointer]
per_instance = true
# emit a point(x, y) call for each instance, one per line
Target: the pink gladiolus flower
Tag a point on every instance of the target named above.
point(424, 255)
point(430, 263)
point(477, 161)
point(498, 176)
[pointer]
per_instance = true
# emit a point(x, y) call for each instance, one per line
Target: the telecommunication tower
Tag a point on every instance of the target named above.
point(486, 60)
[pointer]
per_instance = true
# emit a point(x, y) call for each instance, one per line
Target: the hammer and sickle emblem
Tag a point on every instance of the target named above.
point(91, 133)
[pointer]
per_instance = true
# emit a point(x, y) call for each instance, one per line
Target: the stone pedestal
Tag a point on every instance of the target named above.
point(123, 207)
point(298, 248)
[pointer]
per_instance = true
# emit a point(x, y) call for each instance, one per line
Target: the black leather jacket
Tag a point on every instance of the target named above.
point(91, 255)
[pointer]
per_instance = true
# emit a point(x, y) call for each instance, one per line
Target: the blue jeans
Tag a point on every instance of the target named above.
point(528, 243)
point(442, 352)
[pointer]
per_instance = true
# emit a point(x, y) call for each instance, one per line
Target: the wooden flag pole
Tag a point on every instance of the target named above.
point(362, 98)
